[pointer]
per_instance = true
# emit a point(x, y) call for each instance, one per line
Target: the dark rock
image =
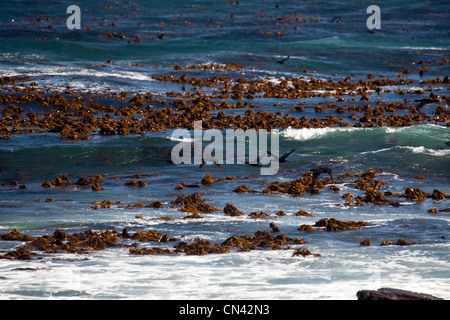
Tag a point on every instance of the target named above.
point(393, 294)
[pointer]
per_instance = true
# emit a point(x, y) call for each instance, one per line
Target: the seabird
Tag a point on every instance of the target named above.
point(284, 156)
point(281, 159)
point(282, 60)
point(317, 172)
point(423, 102)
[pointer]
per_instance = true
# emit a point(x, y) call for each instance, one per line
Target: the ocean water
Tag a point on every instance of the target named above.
point(121, 47)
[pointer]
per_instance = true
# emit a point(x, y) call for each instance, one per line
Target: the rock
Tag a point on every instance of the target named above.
point(393, 294)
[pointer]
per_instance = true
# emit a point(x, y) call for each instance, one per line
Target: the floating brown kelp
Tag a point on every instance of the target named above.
point(79, 243)
point(88, 241)
point(304, 252)
point(258, 215)
point(136, 183)
point(15, 235)
point(207, 180)
point(438, 195)
point(154, 250)
point(62, 242)
point(242, 189)
point(374, 197)
point(415, 194)
point(260, 239)
point(200, 247)
point(105, 204)
point(89, 181)
point(230, 210)
point(151, 235)
point(194, 204)
point(297, 187)
point(155, 205)
point(333, 224)
point(77, 116)
point(399, 242)
point(302, 213)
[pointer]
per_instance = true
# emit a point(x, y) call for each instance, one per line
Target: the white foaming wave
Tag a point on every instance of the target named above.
point(432, 152)
point(81, 71)
point(305, 134)
point(338, 274)
point(394, 129)
point(424, 48)
point(417, 150)
point(181, 139)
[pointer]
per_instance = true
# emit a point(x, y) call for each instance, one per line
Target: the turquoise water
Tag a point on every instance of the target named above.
point(36, 42)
